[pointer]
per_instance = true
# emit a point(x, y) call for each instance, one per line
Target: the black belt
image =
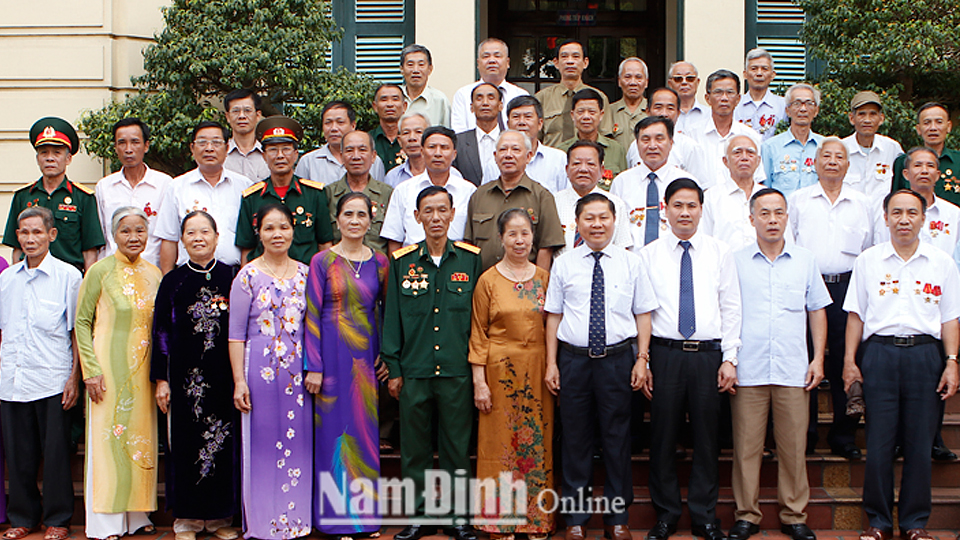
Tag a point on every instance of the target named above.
point(608, 350)
point(904, 341)
point(687, 345)
point(836, 278)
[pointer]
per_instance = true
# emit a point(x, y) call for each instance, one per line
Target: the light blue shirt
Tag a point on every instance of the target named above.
point(549, 168)
point(788, 164)
point(398, 174)
point(777, 295)
point(37, 311)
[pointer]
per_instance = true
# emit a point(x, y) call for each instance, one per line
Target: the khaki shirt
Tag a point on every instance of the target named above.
point(624, 121)
point(379, 194)
point(557, 101)
point(614, 159)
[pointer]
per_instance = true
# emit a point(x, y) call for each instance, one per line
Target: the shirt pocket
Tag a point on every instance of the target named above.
point(484, 226)
point(621, 299)
point(853, 240)
point(49, 316)
point(460, 295)
point(551, 118)
point(415, 301)
point(793, 298)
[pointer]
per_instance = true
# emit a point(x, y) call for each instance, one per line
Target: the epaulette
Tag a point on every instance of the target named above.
point(311, 183)
point(403, 251)
point(27, 185)
point(469, 247)
point(253, 189)
point(82, 188)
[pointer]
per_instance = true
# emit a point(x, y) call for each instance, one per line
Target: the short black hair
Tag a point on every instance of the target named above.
point(721, 74)
point(886, 200)
point(351, 196)
point(663, 89)
point(132, 121)
point(339, 104)
point(585, 143)
point(473, 93)
point(386, 85)
point(651, 120)
point(415, 48)
point(242, 93)
point(932, 105)
point(442, 130)
point(682, 183)
point(210, 124)
point(511, 213)
point(908, 159)
point(586, 94)
point(195, 213)
point(563, 42)
point(763, 192)
point(267, 209)
point(433, 190)
point(525, 101)
point(591, 198)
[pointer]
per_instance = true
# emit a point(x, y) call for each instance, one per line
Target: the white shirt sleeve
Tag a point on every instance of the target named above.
point(392, 228)
point(168, 222)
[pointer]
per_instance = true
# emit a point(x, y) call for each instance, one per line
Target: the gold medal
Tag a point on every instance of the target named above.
point(67, 200)
point(299, 209)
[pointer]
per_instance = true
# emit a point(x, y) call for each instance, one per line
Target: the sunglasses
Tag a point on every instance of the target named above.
point(680, 78)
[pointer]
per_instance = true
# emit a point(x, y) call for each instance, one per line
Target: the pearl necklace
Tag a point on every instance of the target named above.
point(201, 270)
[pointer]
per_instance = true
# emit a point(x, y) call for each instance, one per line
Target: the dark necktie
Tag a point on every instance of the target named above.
point(652, 216)
point(687, 323)
point(597, 333)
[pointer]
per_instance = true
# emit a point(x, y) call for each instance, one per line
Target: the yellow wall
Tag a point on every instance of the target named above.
point(449, 29)
point(713, 37)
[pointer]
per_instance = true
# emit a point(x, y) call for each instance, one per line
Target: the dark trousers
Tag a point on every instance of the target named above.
point(595, 390)
point(899, 389)
point(684, 381)
point(34, 431)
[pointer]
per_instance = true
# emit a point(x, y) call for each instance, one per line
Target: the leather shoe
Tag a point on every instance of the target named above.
point(942, 453)
point(798, 531)
point(461, 532)
point(575, 533)
point(414, 532)
point(661, 531)
point(617, 532)
point(849, 451)
point(742, 530)
point(708, 531)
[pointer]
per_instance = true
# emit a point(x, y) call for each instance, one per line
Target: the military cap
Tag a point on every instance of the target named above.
point(54, 131)
point(864, 98)
point(279, 129)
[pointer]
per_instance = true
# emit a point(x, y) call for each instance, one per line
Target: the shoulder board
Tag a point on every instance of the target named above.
point(82, 188)
point(27, 186)
point(469, 247)
point(403, 251)
point(311, 183)
point(254, 188)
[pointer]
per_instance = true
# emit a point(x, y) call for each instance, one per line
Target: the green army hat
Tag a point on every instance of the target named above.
point(279, 129)
point(55, 131)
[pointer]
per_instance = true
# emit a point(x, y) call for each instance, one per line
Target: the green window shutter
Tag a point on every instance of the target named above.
point(775, 26)
point(375, 31)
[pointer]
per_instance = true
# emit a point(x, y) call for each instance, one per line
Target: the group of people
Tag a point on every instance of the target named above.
point(268, 303)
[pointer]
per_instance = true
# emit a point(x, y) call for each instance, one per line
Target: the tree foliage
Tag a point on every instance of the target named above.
point(276, 48)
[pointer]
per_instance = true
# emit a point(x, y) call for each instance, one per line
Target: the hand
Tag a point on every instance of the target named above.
point(163, 396)
point(383, 372)
point(638, 376)
point(814, 375)
point(727, 378)
point(96, 388)
point(394, 386)
point(481, 398)
point(313, 382)
point(648, 385)
point(851, 374)
point(241, 397)
point(949, 380)
point(71, 391)
point(552, 379)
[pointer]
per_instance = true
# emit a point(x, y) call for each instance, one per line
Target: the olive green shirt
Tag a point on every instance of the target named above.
point(557, 101)
point(74, 215)
point(490, 200)
point(379, 194)
point(625, 121)
point(614, 159)
point(311, 217)
point(426, 326)
point(947, 187)
point(389, 152)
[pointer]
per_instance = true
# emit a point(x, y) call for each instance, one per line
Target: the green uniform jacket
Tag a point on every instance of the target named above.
point(624, 121)
point(389, 152)
point(557, 100)
point(379, 194)
point(74, 215)
point(426, 326)
point(311, 217)
point(947, 188)
point(614, 159)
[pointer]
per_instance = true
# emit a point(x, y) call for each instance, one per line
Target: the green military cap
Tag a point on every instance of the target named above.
point(55, 131)
point(279, 129)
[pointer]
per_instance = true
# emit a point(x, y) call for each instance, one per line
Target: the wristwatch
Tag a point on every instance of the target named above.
point(732, 361)
point(952, 357)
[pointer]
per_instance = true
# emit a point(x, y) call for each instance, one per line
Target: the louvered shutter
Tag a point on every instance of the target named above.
point(375, 31)
point(774, 25)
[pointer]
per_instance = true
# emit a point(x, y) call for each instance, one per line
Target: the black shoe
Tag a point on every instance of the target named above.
point(708, 531)
point(942, 453)
point(460, 532)
point(414, 532)
point(798, 531)
point(849, 451)
point(742, 530)
point(661, 531)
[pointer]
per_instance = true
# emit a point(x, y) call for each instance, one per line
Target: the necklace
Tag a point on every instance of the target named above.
point(519, 282)
point(201, 270)
point(281, 277)
point(355, 269)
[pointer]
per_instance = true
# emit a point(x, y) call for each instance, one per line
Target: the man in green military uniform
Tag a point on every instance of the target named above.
point(279, 136)
point(587, 114)
point(933, 126)
point(356, 148)
point(425, 334)
point(73, 205)
point(389, 104)
point(626, 112)
point(557, 100)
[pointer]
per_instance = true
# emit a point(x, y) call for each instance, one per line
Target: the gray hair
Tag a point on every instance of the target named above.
point(502, 43)
point(729, 143)
point(415, 48)
point(41, 212)
point(675, 64)
point(643, 65)
point(526, 140)
point(758, 53)
point(788, 97)
point(125, 211)
point(410, 115)
point(834, 140)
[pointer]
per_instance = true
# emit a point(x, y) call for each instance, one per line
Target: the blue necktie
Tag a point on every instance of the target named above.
point(597, 333)
point(687, 323)
point(653, 210)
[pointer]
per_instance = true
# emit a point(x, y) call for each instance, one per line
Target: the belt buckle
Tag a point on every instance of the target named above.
point(591, 355)
point(691, 346)
point(831, 278)
point(903, 341)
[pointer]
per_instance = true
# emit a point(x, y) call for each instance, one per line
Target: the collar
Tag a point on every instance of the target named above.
point(495, 133)
point(621, 105)
point(232, 145)
point(815, 138)
point(818, 191)
point(767, 98)
point(643, 170)
point(730, 187)
point(324, 153)
point(45, 266)
point(524, 183)
point(225, 176)
point(268, 187)
point(887, 251)
point(341, 187)
point(424, 254)
point(583, 250)
point(787, 251)
point(674, 243)
point(148, 177)
point(697, 106)
point(64, 184)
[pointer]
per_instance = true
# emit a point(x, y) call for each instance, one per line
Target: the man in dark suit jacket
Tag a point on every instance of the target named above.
point(475, 147)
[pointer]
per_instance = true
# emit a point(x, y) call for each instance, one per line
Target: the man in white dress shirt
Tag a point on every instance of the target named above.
point(549, 165)
point(210, 188)
point(686, 152)
point(726, 207)
point(400, 226)
point(325, 164)
point(871, 154)
point(493, 63)
point(760, 108)
point(683, 78)
point(903, 306)
point(696, 330)
point(134, 184)
point(835, 222)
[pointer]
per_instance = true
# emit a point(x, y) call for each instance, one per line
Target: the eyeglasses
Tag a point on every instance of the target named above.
point(203, 143)
point(680, 78)
point(247, 111)
point(809, 103)
point(723, 92)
